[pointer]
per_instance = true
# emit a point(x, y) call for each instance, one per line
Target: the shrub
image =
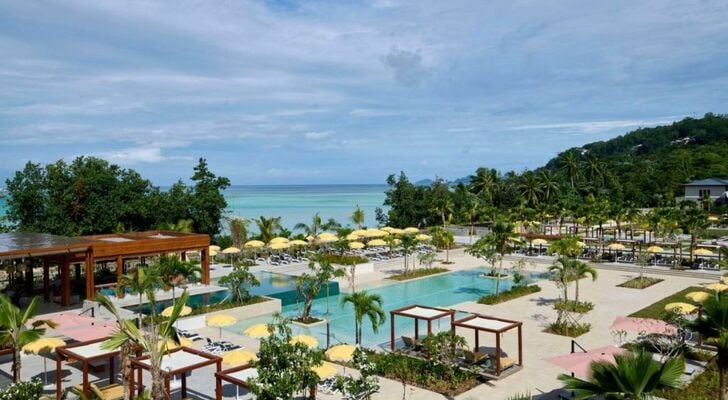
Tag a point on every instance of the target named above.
point(343, 259)
point(28, 390)
point(640, 283)
point(418, 273)
point(571, 329)
point(513, 293)
point(581, 307)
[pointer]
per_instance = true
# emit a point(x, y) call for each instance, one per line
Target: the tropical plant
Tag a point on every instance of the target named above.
point(365, 305)
point(308, 285)
point(174, 272)
point(141, 280)
point(238, 282)
point(427, 258)
point(238, 231)
point(695, 221)
point(363, 386)
point(357, 217)
point(26, 390)
point(182, 225)
point(581, 270)
point(631, 376)
point(500, 240)
point(312, 229)
point(268, 227)
point(408, 243)
point(569, 246)
point(443, 239)
point(17, 330)
point(445, 350)
point(562, 271)
point(471, 209)
point(713, 327)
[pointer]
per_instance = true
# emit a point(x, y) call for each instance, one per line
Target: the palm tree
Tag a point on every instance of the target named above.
point(485, 183)
point(310, 230)
point(14, 329)
point(549, 185)
point(562, 271)
point(632, 376)
point(357, 217)
point(444, 239)
point(500, 238)
point(571, 165)
point(331, 224)
point(176, 272)
point(713, 327)
point(239, 231)
point(408, 243)
point(268, 227)
point(530, 188)
point(140, 280)
point(581, 270)
point(472, 208)
point(183, 225)
point(695, 221)
point(365, 304)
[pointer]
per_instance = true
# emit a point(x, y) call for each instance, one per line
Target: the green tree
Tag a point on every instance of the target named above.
point(485, 183)
point(238, 231)
point(500, 240)
point(571, 166)
point(471, 210)
point(357, 217)
point(581, 270)
point(268, 227)
point(569, 246)
point(17, 330)
point(308, 285)
point(365, 305)
point(713, 326)
point(562, 271)
point(408, 243)
point(238, 282)
point(631, 376)
point(443, 239)
point(140, 280)
point(207, 202)
point(695, 222)
point(445, 351)
point(310, 230)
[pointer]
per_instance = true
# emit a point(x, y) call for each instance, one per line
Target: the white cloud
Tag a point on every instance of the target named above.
point(138, 155)
point(319, 135)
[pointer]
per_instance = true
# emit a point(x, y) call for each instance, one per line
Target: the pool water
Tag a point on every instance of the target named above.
point(441, 290)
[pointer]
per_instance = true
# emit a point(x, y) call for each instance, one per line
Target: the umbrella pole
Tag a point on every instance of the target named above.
point(45, 371)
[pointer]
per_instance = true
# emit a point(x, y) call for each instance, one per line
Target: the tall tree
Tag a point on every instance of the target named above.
point(312, 229)
point(268, 227)
point(713, 326)
point(500, 239)
point(365, 305)
point(238, 231)
point(357, 217)
point(207, 202)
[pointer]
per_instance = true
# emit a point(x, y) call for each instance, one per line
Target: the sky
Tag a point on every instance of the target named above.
point(347, 91)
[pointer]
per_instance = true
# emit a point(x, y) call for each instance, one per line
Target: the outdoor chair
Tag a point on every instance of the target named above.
point(411, 343)
point(474, 357)
point(108, 392)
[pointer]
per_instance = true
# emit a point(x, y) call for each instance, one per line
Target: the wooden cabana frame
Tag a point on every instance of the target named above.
point(419, 312)
point(86, 353)
point(482, 323)
point(196, 359)
point(229, 375)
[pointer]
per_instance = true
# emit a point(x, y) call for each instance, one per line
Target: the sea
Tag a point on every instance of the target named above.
point(298, 203)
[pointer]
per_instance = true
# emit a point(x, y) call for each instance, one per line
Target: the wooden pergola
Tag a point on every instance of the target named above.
point(418, 312)
point(176, 362)
point(497, 326)
point(238, 376)
point(62, 252)
point(85, 353)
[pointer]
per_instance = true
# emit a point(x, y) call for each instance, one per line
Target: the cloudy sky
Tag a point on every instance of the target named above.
point(347, 90)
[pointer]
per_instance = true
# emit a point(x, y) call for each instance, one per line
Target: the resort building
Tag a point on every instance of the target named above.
point(713, 188)
point(76, 268)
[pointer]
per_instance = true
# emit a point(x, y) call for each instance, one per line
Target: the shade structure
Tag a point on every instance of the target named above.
point(579, 363)
point(376, 243)
point(298, 242)
point(356, 245)
point(655, 249)
point(254, 244)
point(307, 340)
point(352, 236)
point(341, 352)
point(703, 252)
point(278, 240)
point(423, 238)
point(616, 246)
point(171, 345)
point(326, 237)
point(680, 308)
point(84, 333)
point(214, 247)
point(186, 310)
point(239, 357)
point(645, 325)
point(410, 230)
point(279, 246)
point(539, 242)
point(717, 287)
point(257, 331)
point(43, 345)
point(231, 250)
point(698, 297)
point(220, 321)
point(325, 370)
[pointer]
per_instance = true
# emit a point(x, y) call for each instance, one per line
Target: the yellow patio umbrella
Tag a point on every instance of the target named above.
point(539, 242)
point(698, 297)
point(356, 245)
point(616, 246)
point(298, 242)
point(278, 240)
point(326, 238)
point(214, 247)
point(239, 357)
point(717, 287)
point(396, 231)
point(44, 345)
point(186, 310)
point(713, 218)
point(279, 246)
point(213, 253)
point(221, 320)
point(682, 308)
point(359, 232)
point(257, 331)
point(376, 243)
point(341, 352)
point(171, 345)
point(387, 229)
point(373, 233)
point(411, 229)
point(352, 236)
point(655, 249)
point(308, 341)
point(423, 238)
point(254, 244)
point(325, 370)
point(231, 250)
point(703, 252)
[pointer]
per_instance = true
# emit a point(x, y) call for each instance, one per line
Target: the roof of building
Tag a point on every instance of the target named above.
point(708, 182)
point(37, 244)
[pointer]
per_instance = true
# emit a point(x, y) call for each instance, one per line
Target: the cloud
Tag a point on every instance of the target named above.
point(595, 126)
point(406, 66)
point(139, 155)
point(318, 135)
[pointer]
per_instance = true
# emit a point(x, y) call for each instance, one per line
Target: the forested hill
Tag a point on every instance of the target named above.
point(659, 159)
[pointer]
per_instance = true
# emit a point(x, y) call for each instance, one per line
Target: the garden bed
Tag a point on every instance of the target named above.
point(703, 387)
point(568, 329)
point(657, 310)
point(640, 283)
point(310, 321)
point(581, 307)
point(344, 259)
point(418, 273)
point(513, 293)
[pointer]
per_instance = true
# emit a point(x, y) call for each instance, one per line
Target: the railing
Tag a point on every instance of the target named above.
point(574, 345)
point(98, 288)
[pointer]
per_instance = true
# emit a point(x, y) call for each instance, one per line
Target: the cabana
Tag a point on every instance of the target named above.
point(85, 353)
point(239, 376)
point(482, 323)
point(179, 361)
point(418, 312)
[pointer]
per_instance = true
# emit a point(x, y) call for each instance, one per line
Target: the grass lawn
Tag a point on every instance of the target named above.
point(418, 273)
point(657, 310)
point(703, 387)
point(640, 283)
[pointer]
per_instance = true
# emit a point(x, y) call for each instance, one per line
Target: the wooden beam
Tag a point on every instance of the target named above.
point(90, 267)
point(46, 280)
point(65, 283)
point(205, 264)
point(119, 273)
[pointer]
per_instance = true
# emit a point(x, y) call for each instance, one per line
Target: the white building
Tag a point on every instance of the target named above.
point(714, 188)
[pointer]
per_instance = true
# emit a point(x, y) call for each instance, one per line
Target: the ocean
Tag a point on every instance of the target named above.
point(298, 203)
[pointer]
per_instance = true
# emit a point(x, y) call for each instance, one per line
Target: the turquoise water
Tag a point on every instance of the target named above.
point(442, 290)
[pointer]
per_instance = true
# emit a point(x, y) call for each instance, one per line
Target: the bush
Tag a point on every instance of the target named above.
point(513, 293)
point(640, 283)
point(571, 329)
point(581, 307)
point(28, 390)
point(343, 259)
point(418, 273)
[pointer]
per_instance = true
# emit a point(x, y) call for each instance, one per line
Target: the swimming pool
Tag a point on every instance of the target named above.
point(441, 290)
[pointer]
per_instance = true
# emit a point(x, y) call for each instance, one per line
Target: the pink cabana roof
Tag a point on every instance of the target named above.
point(66, 320)
point(579, 363)
point(84, 333)
point(643, 325)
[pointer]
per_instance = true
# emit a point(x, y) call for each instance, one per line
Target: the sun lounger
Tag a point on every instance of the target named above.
point(411, 343)
point(108, 392)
